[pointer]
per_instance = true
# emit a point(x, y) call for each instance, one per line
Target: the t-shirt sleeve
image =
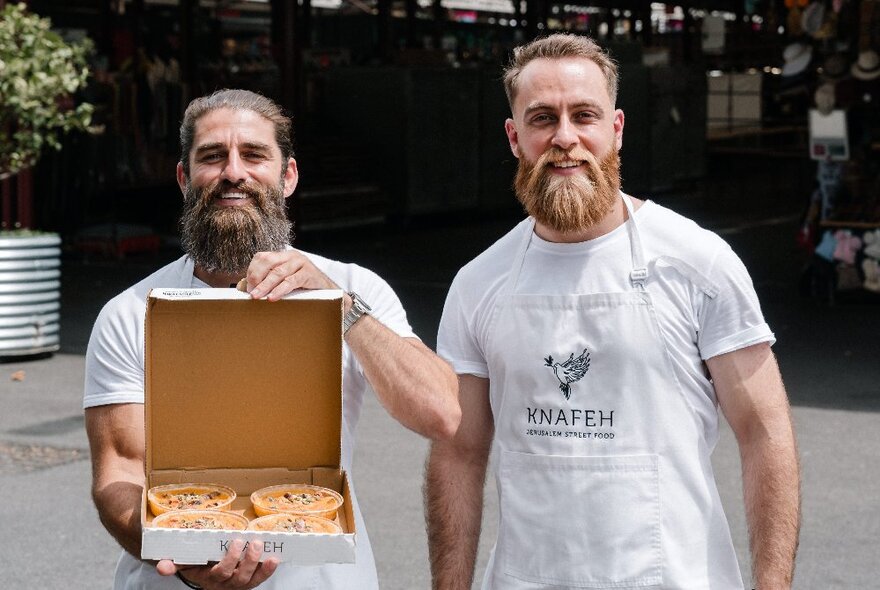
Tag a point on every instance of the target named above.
point(732, 318)
point(385, 304)
point(457, 342)
point(114, 359)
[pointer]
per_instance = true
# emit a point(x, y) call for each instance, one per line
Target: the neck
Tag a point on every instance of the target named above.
point(217, 279)
point(614, 219)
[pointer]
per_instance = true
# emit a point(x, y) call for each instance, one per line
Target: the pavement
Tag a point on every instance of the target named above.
point(828, 356)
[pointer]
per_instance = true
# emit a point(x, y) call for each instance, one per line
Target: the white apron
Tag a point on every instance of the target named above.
point(602, 467)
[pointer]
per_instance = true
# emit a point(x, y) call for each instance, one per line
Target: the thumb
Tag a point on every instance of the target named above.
point(166, 567)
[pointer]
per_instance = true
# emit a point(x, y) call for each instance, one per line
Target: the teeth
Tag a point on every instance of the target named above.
point(566, 164)
point(233, 196)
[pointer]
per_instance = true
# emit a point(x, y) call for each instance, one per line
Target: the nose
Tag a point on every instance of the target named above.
point(234, 171)
point(565, 137)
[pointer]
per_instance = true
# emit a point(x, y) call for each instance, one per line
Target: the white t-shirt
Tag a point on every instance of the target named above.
point(705, 301)
point(115, 375)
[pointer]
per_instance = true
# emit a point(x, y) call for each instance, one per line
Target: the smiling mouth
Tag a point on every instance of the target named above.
point(231, 196)
point(567, 163)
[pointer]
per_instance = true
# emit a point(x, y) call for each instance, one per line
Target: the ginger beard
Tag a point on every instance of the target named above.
point(568, 203)
point(225, 239)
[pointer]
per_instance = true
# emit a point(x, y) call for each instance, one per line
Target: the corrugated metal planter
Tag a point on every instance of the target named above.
point(30, 283)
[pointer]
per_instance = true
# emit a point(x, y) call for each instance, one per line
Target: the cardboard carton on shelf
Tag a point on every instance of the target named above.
point(246, 394)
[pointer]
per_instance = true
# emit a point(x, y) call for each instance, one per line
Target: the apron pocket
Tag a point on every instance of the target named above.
point(580, 522)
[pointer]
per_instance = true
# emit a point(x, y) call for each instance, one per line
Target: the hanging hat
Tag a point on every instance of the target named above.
point(813, 17)
point(867, 67)
point(797, 57)
point(835, 66)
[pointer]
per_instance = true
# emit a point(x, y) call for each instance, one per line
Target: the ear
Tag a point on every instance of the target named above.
point(181, 178)
point(618, 128)
point(512, 137)
point(291, 177)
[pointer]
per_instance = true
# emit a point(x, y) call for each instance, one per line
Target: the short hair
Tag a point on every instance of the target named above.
point(238, 100)
point(559, 46)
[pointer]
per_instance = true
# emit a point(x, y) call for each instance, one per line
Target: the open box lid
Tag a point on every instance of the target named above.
point(237, 383)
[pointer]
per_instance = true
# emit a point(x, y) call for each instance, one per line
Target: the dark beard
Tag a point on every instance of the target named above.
point(568, 203)
point(225, 239)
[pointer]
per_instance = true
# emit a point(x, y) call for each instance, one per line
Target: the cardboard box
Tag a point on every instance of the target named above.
point(245, 394)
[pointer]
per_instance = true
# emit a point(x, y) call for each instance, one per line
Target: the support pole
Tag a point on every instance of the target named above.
point(287, 46)
point(188, 70)
point(384, 30)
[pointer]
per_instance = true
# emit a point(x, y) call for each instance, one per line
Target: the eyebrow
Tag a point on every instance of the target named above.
point(251, 145)
point(542, 106)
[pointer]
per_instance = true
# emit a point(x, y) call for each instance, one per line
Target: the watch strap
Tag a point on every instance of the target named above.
point(359, 309)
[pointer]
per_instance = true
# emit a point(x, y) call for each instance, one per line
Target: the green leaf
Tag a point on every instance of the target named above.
point(37, 69)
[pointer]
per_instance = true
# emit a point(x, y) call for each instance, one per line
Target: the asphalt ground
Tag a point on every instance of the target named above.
point(51, 536)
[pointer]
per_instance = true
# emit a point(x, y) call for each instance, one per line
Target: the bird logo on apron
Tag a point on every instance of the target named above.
point(570, 371)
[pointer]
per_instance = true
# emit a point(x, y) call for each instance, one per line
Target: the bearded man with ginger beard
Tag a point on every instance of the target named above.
point(236, 171)
point(595, 344)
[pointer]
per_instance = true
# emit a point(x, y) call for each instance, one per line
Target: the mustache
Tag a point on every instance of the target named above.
point(556, 155)
point(537, 178)
point(220, 187)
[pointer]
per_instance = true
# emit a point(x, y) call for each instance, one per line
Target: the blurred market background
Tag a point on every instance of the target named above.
point(398, 113)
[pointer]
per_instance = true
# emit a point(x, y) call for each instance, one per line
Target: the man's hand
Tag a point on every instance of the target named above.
point(229, 572)
point(275, 274)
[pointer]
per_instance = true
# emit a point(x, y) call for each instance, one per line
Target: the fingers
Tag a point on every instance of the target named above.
point(248, 564)
point(264, 570)
point(275, 274)
point(250, 571)
point(224, 570)
point(239, 569)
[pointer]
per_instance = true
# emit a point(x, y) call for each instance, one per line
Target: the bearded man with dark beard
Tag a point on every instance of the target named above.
point(236, 171)
point(226, 239)
point(595, 344)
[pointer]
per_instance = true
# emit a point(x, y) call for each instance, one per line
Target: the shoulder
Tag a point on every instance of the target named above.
point(478, 284)
point(131, 303)
point(384, 302)
point(115, 354)
point(348, 275)
point(493, 264)
point(676, 243)
point(675, 235)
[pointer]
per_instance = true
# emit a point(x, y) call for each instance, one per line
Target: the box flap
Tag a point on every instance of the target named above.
point(238, 383)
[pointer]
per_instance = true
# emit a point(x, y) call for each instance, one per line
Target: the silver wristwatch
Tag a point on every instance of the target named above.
point(359, 308)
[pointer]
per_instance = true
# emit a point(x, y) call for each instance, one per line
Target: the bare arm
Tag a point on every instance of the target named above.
point(454, 482)
point(413, 384)
point(753, 399)
point(116, 439)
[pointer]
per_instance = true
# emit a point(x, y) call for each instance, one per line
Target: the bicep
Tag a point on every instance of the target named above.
point(116, 440)
point(750, 392)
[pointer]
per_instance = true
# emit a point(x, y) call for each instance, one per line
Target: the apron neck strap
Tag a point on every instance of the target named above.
point(639, 273)
point(520, 257)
